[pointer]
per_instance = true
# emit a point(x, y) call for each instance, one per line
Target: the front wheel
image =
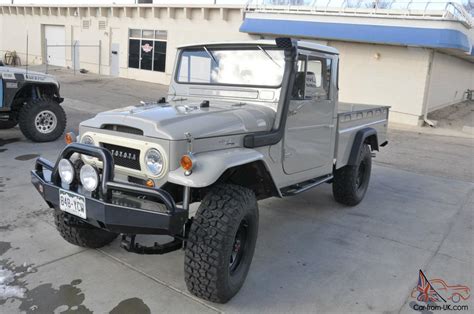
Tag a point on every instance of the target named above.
point(42, 120)
point(351, 181)
point(221, 243)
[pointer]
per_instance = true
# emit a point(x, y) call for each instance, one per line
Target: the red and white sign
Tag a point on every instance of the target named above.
point(147, 48)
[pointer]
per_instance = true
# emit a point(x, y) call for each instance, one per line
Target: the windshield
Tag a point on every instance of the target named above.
point(253, 66)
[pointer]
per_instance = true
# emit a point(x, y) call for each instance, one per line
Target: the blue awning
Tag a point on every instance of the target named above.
point(379, 34)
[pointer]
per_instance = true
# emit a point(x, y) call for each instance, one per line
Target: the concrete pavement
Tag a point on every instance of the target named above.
point(312, 255)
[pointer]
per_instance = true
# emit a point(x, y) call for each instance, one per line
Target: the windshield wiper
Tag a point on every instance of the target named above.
point(268, 55)
point(210, 54)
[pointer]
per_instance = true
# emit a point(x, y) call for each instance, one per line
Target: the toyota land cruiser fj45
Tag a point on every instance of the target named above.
point(31, 99)
point(242, 122)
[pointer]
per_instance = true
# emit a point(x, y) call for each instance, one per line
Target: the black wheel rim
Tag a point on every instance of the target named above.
point(239, 247)
point(360, 175)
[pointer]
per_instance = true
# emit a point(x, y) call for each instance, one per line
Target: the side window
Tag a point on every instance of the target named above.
point(313, 78)
point(298, 91)
point(318, 78)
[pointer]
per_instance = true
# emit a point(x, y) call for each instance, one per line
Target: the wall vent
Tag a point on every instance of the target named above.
point(102, 25)
point(86, 24)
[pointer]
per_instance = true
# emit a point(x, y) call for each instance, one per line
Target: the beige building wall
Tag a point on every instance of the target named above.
point(449, 80)
point(184, 25)
point(388, 75)
point(373, 74)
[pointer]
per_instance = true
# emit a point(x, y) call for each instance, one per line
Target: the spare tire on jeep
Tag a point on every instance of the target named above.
point(42, 120)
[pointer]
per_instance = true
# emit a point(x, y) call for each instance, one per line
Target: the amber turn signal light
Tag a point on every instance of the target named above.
point(69, 138)
point(150, 183)
point(186, 162)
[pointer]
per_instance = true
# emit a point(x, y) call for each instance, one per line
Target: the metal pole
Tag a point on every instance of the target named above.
point(186, 197)
point(100, 52)
point(46, 54)
point(74, 56)
point(27, 51)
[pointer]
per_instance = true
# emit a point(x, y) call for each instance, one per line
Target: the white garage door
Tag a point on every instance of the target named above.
point(55, 35)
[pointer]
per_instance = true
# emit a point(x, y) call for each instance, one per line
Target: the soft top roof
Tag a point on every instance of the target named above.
point(265, 42)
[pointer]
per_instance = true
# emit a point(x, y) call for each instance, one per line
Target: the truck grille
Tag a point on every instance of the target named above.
point(124, 156)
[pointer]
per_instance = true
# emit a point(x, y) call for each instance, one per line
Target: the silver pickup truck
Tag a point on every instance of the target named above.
point(242, 122)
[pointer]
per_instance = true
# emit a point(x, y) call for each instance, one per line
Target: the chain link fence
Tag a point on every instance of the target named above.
point(75, 56)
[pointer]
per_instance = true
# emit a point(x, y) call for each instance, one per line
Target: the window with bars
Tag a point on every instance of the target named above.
point(147, 49)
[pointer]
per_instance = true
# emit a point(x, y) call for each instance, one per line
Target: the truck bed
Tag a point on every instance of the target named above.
point(352, 117)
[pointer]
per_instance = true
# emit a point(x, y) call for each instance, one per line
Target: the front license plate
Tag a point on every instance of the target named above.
point(72, 203)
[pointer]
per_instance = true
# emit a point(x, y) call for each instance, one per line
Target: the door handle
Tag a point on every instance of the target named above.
point(295, 111)
point(114, 52)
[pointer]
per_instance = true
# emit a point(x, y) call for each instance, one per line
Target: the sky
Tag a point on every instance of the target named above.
point(119, 1)
point(323, 2)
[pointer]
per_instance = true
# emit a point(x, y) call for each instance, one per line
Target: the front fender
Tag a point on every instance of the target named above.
point(210, 166)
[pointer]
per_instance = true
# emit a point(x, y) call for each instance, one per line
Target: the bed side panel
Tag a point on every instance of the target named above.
point(351, 122)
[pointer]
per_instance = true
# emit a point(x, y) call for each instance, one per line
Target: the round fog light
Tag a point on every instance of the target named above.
point(66, 170)
point(89, 178)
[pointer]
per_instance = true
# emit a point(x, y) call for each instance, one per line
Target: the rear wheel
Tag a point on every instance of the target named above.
point(85, 236)
point(42, 120)
point(221, 243)
point(8, 124)
point(351, 181)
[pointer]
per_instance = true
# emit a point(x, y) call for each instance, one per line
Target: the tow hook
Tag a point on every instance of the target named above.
point(129, 244)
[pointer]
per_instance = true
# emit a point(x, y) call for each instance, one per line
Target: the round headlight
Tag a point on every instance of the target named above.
point(66, 170)
point(86, 139)
point(154, 161)
point(89, 178)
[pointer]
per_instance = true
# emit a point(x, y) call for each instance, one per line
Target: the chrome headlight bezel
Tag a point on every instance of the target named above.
point(66, 171)
point(88, 172)
point(88, 140)
point(161, 163)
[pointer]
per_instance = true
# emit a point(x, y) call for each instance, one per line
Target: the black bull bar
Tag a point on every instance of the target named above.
point(101, 211)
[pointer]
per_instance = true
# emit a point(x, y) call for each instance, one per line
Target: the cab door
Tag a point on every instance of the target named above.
point(308, 141)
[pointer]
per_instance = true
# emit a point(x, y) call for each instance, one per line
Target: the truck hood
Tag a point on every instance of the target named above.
point(26, 75)
point(172, 121)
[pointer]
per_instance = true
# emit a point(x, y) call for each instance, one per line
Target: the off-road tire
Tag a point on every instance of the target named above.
point(8, 124)
point(87, 236)
point(209, 271)
point(28, 114)
point(348, 186)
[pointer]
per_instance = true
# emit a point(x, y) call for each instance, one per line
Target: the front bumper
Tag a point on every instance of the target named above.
point(117, 207)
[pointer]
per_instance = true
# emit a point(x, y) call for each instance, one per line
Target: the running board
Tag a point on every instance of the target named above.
point(305, 186)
